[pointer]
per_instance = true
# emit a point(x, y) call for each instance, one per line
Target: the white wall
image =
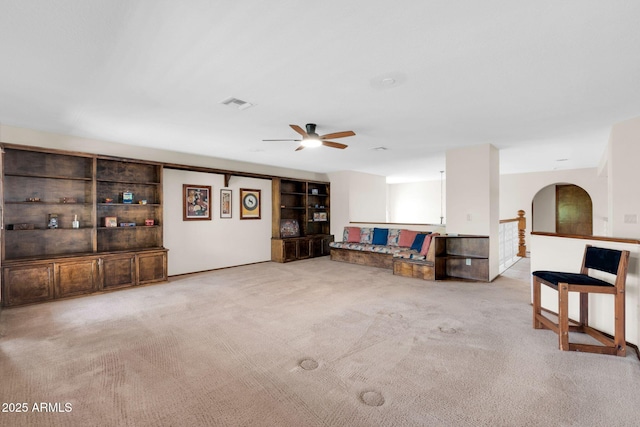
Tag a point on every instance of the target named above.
point(624, 203)
point(356, 196)
point(543, 216)
point(367, 197)
point(417, 202)
point(222, 242)
point(473, 196)
point(339, 202)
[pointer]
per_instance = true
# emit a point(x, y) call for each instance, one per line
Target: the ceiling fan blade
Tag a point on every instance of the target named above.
point(334, 144)
point(338, 134)
point(299, 130)
point(299, 148)
point(282, 140)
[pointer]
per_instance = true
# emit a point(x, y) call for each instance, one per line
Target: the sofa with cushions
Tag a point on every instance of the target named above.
point(377, 246)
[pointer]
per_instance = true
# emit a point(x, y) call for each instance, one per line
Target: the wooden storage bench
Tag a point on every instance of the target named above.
point(420, 269)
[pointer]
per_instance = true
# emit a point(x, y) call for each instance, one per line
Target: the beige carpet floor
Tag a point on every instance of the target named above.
point(309, 343)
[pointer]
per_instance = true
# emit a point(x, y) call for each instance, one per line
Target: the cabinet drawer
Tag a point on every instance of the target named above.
point(27, 284)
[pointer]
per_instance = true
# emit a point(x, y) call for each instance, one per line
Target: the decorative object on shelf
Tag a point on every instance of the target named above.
point(108, 200)
point(127, 197)
point(53, 221)
point(111, 221)
point(127, 224)
point(314, 191)
point(33, 199)
point(75, 223)
point(289, 228)
point(142, 202)
point(22, 226)
point(225, 203)
point(68, 200)
point(249, 203)
point(319, 216)
point(149, 222)
point(195, 199)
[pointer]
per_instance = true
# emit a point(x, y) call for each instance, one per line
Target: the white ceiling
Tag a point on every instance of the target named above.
point(541, 80)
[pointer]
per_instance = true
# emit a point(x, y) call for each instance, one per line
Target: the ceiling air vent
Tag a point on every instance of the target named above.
point(238, 103)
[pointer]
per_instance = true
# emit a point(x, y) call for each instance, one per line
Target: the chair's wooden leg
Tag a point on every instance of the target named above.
point(584, 309)
point(619, 332)
point(536, 304)
point(563, 316)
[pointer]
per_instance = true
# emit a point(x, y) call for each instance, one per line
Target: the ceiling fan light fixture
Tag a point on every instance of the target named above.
point(311, 142)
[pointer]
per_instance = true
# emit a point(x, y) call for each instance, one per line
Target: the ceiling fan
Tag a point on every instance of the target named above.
point(311, 139)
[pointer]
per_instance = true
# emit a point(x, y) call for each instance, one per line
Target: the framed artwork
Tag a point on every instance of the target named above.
point(225, 203)
point(196, 202)
point(249, 204)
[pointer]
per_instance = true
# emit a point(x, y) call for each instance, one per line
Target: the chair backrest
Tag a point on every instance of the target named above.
point(603, 259)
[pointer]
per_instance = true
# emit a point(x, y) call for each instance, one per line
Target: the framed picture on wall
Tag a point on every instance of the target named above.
point(249, 204)
point(225, 203)
point(196, 202)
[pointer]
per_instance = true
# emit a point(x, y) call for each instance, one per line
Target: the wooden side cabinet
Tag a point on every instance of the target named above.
point(296, 248)
point(24, 284)
point(462, 257)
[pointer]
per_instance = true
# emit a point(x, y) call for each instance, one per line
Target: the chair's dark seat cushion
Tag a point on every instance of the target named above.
point(556, 277)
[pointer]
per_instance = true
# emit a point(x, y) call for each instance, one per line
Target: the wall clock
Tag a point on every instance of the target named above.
point(249, 204)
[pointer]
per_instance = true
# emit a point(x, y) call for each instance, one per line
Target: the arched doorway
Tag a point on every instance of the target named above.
point(562, 208)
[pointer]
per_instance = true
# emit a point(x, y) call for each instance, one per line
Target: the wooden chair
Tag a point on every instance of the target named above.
point(607, 260)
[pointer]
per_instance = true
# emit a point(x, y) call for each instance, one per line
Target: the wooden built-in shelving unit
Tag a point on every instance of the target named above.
point(307, 203)
point(41, 263)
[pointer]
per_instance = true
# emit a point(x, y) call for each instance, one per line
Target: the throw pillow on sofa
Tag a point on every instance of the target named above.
point(380, 236)
point(418, 241)
point(393, 237)
point(352, 235)
point(366, 235)
point(427, 243)
point(406, 238)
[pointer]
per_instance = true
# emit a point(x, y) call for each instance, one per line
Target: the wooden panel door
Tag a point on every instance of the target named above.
point(574, 211)
point(27, 284)
point(152, 267)
point(119, 271)
point(76, 277)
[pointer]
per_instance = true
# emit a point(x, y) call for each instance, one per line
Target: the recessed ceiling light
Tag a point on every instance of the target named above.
point(561, 160)
point(238, 103)
point(388, 80)
point(380, 148)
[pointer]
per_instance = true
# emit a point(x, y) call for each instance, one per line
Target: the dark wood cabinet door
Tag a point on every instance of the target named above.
point(304, 248)
point(290, 250)
point(118, 271)
point(27, 284)
point(152, 267)
point(76, 277)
